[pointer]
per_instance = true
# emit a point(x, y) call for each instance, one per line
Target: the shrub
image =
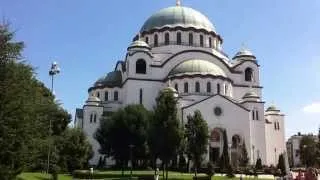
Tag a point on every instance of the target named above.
point(210, 169)
point(230, 172)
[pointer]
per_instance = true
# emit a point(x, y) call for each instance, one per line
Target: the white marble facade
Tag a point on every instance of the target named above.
point(179, 47)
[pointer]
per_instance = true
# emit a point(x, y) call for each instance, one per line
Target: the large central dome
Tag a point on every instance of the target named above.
point(178, 16)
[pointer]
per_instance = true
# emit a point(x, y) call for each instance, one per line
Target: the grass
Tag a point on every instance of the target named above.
point(41, 176)
point(172, 175)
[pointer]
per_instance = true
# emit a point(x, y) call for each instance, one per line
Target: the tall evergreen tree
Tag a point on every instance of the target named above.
point(166, 131)
point(224, 162)
point(281, 165)
point(197, 135)
point(244, 159)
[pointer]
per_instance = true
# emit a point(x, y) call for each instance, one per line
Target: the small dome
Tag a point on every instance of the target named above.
point(93, 99)
point(112, 79)
point(178, 16)
point(197, 66)
point(139, 44)
point(272, 108)
point(250, 94)
point(244, 53)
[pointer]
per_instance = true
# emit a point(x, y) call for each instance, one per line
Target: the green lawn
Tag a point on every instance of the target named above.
point(172, 175)
point(40, 176)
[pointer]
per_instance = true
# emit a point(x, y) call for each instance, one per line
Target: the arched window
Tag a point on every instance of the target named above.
point(141, 66)
point(210, 42)
point(186, 87)
point(215, 136)
point(176, 87)
point(95, 118)
point(257, 115)
point(275, 125)
point(140, 96)
point(248, 74)
point(147, 40)
point(278, 125)
point(218, 88)
point(235, 141)
point(179, 38)
point(98, 94)
point(190, 39)
point(106, 96)
point(197, 87)
point(201, 40)
point(155, 40)
point(208, 87)
point(91, 118)
point(166, 39)
point(115, 96)
point(253, 115)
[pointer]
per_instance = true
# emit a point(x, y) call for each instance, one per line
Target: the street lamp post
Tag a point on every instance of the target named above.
point(54, 70)
point(229, 145)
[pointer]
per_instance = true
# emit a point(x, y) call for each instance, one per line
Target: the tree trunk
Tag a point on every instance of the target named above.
point(166, 170)
point(195, 172)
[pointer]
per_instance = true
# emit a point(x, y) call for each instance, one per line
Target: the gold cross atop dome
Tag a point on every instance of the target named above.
point(178, 3)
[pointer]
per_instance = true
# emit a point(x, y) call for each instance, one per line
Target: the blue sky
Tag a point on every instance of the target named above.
point(87, 38)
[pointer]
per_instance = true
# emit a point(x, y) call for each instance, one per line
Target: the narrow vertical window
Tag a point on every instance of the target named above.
point(253, 115)
point(179, 38)
point(166, 39)
point(208, 87)
point(106, 94)
point(275, 125)
point(210, 42)
point(201, 40)
point(186, 87)
point(95, 118)
point(91, 118)
point(190, 39)
point(197, 87)
point(226, 89)
point(147, 40)
point(115, 96)
point(98, 94)
point(176, 87)
point(218, 88)
point(155, 40)
point(257, 115)
point(278, 125)
point(140, 96)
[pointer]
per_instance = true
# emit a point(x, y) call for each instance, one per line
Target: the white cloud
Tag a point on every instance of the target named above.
point(312, 108)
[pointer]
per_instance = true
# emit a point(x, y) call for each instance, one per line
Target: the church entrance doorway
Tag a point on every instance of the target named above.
point(215, 148)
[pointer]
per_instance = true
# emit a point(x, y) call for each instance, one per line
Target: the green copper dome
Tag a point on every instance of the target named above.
point(178, 16)
point(111, 79)
point(197, 66)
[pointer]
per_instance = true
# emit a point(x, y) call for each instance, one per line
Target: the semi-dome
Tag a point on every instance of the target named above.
point(112, 79)
point(176, 16)
point(197, 66)
point(272, 108)
point(250, 94)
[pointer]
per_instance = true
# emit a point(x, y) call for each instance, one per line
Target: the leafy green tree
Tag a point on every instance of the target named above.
point(74, 149)
point(126, 127)
point(308, 150)
point(197, 134)
point(166, 132)
point(224, 161)
point(281, 165)
point(244, 159)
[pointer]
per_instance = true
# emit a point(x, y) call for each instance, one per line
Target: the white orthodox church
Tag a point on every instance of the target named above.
point(179, 48)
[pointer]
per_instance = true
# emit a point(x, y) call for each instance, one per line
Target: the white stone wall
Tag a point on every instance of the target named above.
point(90, 128)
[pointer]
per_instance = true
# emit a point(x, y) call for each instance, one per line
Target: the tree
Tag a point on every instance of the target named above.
point(196, 131)
point(74, 149)
point(281, 165)
point(166, 131)
point(126, 127)
point(224, 161)
point(308, 150)
point(259, 164)
point(244, 159)
point(26, 106)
